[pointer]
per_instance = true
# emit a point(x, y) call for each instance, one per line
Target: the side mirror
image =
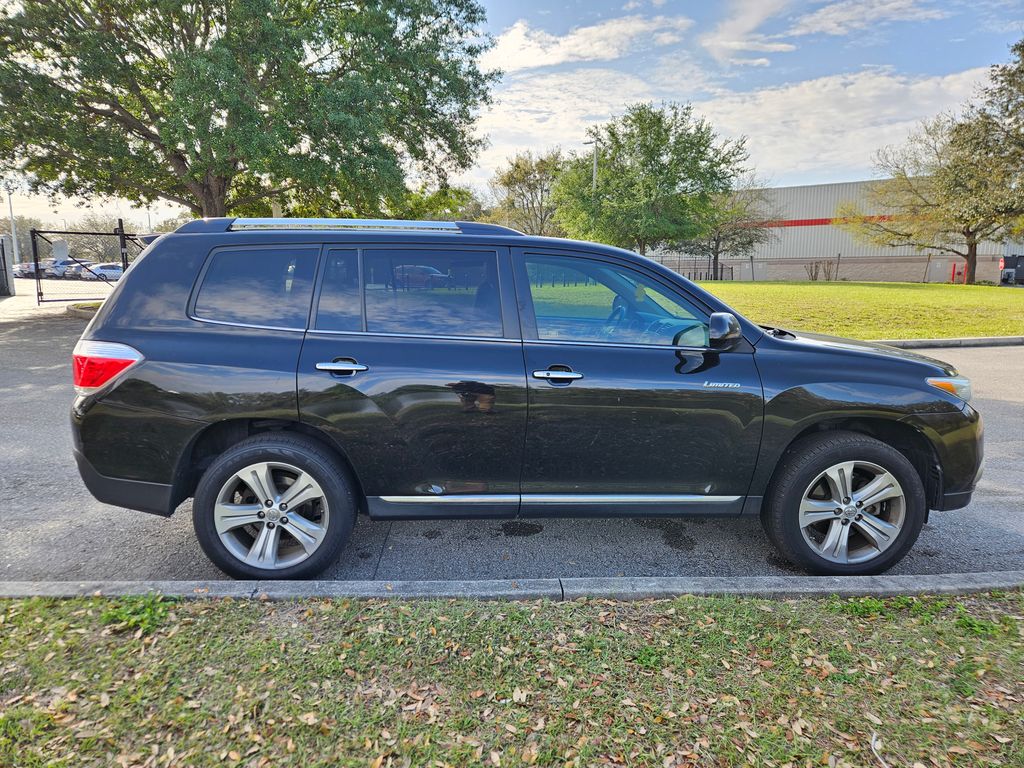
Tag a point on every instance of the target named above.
point(723, 330)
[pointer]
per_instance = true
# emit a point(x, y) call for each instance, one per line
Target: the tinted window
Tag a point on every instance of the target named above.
point(578, 299)
point(434, 293)
point(338, 308)
point(258, 286)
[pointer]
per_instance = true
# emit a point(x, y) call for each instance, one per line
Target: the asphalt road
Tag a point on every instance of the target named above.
point(51, 528)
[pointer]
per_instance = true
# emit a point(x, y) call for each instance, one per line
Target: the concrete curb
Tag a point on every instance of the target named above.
point(618, 588)
point(792, 586)
point(524, 589)
point(85, 314)
point(969, 341)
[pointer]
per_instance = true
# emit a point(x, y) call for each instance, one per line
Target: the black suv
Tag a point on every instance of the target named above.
point(290, 373)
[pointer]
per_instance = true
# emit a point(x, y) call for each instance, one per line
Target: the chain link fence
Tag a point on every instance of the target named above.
point(939, 268)
point(69, 265)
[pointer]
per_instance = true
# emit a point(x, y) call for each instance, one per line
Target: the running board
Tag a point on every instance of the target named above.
point(428, 507)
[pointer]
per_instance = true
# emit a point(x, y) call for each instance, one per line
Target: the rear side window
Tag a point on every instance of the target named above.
point(339, 307)
point(258, 286)
point(434, 293)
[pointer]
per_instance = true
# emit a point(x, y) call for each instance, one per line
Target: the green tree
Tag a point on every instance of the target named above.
point(171, 223)
point(735, 223)
point(24, 226)
point(994, 132)
point(658, 172)
point(221, 105)
point(938, 195)
point(442, 204)
point(523, 191)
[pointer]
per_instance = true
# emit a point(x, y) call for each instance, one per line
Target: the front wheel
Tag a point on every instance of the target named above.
point(275, 506)
point(843, 503)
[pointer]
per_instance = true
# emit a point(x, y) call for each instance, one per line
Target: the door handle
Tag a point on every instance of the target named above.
point(342, 367)
point(557, 375)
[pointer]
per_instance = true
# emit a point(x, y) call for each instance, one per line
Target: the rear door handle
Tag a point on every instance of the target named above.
point(557, 375)
point(343, 367)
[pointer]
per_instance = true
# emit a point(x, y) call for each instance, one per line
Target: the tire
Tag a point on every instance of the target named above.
point(223, 500)
point(804, 515)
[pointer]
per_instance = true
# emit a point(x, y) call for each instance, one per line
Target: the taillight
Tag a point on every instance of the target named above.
point(97, 363)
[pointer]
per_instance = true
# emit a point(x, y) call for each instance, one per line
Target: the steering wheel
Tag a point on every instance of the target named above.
point(618, 314)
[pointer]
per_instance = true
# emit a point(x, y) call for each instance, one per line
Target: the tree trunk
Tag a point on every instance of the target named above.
point(714, 274)
point(641, 248)
point(972, 260)
point(214, 197)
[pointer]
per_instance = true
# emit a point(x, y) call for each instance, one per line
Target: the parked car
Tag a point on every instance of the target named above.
point(1011, 270)
point(108, 273)
point(28, 268)
point(258, 367)
point(60, 267)
point(74, 272)
point(420, 276)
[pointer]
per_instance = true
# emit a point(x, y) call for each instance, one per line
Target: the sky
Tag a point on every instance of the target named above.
point(816, 86)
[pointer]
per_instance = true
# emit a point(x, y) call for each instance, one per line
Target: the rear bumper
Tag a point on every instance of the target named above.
point(154, 498)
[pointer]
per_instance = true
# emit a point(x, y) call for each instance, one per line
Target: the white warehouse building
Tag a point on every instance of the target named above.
point(807, 244)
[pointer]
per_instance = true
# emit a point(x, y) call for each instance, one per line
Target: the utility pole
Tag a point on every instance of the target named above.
point(596, 142)
point(14, 228)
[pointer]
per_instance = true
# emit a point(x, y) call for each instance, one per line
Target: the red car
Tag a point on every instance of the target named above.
point(419, 276)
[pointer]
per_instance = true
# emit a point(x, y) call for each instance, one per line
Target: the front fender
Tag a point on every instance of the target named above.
point(793, 412)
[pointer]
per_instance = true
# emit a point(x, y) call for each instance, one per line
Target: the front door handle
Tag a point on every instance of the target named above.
point(556, 375)
point(342, 367)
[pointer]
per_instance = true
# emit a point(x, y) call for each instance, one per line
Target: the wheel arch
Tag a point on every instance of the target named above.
point(214, 439)
point(904, 437)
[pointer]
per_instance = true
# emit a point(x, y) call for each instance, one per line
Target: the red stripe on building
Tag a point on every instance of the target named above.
point(817, 222)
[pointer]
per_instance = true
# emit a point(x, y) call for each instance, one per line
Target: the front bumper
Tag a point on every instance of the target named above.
point(958, 440)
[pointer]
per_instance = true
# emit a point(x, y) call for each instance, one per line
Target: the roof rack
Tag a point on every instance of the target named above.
point(346, 225)
point(388, 224)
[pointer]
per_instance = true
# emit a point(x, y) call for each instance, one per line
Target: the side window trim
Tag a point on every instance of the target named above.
point(506, 288)
point(528, 317)
point(312, 323)
point(193, 297)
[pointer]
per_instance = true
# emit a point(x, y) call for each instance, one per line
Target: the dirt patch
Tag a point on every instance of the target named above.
point(521, 528)
point(673, 532)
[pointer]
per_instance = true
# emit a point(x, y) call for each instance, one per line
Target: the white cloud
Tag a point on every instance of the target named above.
point(830, 127)
point(847, 16)
point(540, 111)
point(824, 129)
point(522, 47)
point(738, 32)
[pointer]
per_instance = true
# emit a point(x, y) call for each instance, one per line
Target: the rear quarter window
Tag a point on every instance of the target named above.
point(270, 287)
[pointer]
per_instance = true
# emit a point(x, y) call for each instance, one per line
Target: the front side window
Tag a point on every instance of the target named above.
point(270, 287)
point(432, 293)
point(579, 299)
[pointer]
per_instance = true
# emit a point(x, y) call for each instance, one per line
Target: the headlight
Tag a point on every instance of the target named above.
point(954, 385)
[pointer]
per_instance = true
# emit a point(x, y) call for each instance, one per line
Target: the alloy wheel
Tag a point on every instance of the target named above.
point(852, 512)
point(271, 515)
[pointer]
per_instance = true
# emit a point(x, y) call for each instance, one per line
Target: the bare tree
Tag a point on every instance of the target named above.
point(522, 193)
point(737, 222)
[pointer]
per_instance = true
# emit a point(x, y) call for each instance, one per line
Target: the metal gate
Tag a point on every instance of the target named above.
point(5, 289)
point(81, 266)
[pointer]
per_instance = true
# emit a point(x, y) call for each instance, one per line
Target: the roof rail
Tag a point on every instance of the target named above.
point(373, 225)
point(389, 224)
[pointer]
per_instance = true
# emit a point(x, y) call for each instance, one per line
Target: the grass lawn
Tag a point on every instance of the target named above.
point(879, 310)
point(685, 682)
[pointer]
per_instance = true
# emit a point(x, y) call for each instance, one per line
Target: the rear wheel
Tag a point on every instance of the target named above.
point(275, 506)
point(842, 503)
